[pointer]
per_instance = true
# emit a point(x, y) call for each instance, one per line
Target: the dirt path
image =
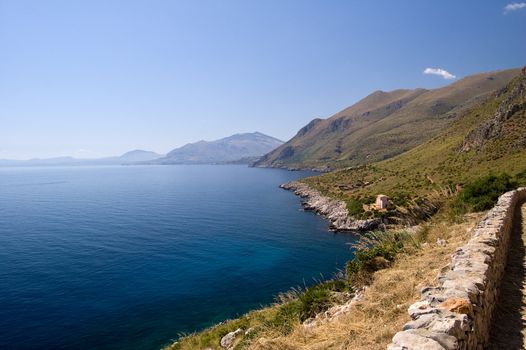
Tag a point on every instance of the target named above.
point(509, 324)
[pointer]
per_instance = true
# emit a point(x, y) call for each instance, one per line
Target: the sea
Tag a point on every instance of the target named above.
point(132, 257)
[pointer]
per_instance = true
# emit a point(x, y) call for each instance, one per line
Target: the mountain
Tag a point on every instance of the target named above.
point(137, 156)
point(488, 138)
point(383, 124)
point(127, 158)
point(226, 150)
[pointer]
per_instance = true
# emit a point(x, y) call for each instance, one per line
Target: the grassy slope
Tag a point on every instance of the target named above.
point(438, 164)
point(383, 125)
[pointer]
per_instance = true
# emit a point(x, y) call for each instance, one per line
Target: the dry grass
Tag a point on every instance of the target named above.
point(383, 311)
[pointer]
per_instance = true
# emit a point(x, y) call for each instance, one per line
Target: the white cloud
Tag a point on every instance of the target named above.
point(439, 71)
point(514, 7)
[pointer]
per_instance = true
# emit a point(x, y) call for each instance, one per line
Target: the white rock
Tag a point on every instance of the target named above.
point(228, 340)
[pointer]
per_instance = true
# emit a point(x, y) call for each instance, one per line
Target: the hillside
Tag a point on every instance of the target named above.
point(228, 149)
point(384, 124)
point(488, 138)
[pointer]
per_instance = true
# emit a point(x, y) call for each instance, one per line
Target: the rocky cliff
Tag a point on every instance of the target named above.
point(333, 210)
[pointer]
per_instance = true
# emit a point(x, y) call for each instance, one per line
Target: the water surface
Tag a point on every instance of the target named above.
point(130, 257)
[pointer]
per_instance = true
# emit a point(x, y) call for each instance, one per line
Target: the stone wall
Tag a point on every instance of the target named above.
point(456, 314)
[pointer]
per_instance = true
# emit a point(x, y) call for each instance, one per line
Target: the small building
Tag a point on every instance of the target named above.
point(382, 202)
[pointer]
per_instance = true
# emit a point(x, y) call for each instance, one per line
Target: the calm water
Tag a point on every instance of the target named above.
point(130, 257)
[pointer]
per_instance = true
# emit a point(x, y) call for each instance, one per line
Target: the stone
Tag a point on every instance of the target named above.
point(421, 322)
point(421, 308)
point(458, 305)
point(228, 340)
point(411, 341)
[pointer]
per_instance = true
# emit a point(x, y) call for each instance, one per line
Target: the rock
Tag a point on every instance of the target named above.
point(421, 308)
point(493, 127)
point(458, 305)
point(334, 210)
point(228, 340)
point(412, 341)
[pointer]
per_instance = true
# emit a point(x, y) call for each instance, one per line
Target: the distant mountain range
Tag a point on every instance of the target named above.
point(384, 124)
point(238, 148)
point(130, 157)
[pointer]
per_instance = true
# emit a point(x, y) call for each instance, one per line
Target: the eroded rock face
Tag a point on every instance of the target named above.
point(334, 210)
point(457, 313)
point(492, 128)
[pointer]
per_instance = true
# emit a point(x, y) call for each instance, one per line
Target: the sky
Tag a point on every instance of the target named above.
point(97, 78)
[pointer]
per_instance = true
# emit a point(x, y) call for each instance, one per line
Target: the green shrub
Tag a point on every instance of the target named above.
point(355, 208)
point(521, 178)
point(482, 194)
point(318, 298)
point(314, 301)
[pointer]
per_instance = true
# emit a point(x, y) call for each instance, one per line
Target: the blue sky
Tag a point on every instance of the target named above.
point(100, 77)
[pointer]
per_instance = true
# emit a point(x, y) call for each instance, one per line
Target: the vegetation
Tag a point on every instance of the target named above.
point(482, 194)
point(375, 251)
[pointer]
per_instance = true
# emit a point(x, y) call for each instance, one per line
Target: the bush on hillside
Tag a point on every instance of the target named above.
point(482, 194)
point(375, 251)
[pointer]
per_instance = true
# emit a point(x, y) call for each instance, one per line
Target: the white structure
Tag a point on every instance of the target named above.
point(382, 201)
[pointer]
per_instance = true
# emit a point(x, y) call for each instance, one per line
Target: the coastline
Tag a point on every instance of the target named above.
point(335, 211)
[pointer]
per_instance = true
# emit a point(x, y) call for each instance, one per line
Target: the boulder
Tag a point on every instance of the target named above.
point(228, 340)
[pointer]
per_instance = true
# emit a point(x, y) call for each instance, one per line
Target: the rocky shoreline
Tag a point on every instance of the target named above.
point(333, 210)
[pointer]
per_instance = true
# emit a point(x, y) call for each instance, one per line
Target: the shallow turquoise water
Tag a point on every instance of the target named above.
point(130, 257)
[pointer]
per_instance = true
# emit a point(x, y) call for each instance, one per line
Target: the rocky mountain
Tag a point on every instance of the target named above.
point(225, 150)
point(127, 158)
point(383, 124)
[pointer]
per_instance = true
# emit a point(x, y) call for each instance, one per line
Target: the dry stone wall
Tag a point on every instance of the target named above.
point(457, 313)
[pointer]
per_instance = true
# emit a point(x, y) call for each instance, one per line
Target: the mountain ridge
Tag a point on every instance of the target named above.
point(383, 124)
point(136, 155)
point(228, 149)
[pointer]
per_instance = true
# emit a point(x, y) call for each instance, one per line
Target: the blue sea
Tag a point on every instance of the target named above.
point(130, 257)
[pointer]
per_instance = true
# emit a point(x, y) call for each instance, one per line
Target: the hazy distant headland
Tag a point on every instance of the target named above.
point(236, 149)
point(124, 159)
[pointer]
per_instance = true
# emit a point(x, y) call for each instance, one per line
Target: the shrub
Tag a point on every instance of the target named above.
point(482, 194)
point(375, 251)
point(355, 208)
